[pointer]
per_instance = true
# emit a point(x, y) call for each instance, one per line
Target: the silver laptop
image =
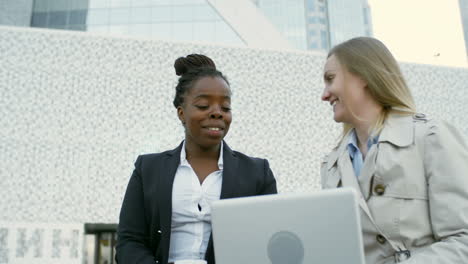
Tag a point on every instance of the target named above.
point(321, 227)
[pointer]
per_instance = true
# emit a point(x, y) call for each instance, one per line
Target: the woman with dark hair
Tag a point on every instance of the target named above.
point(166, 214)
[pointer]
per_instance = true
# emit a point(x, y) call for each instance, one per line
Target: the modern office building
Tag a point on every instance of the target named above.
point(464, 18)
point(284, 24)
point(318, 24)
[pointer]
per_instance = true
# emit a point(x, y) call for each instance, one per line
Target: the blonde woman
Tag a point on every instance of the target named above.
point(410, 171)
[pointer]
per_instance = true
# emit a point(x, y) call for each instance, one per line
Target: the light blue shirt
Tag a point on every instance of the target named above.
point(355, 153)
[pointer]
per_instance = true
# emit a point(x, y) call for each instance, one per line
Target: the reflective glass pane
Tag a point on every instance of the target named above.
point(120, 3)
point(98, 29)
point(77, 17)
point(143, 30)
point(119, 16)
point(39, 19)
point(324, 39)
point(119, 29)
point(99, 4)
point(141, 15)
point(81, 27)
point(204, 31)
point(163, 2)
point(142, 3)
point(40, 6)
point(225, 34)
point(185, 2)
point(59, 5)
point(58, 18)
point(183, 13)
point(162, 30)
point(183, 31)
point(313, 45)
point(79, 4)
point(204, 13)
point(98, 17)
point(161, 14)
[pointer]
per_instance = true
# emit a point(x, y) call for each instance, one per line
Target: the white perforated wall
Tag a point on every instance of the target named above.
point(76, 110)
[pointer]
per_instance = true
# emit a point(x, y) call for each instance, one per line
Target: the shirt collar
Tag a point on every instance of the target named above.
point(353, 146)
point(184, 162)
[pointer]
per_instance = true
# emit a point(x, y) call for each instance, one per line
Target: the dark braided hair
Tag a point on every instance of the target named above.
point(190, 69)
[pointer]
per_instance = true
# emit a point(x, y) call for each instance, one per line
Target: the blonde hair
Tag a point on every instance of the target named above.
point(370, 59)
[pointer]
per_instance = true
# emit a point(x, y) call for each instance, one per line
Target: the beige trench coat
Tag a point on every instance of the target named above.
point(415, 184)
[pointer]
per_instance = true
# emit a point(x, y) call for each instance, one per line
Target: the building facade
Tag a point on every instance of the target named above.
point(464, 17)
point(77, 109)
point(302, 24)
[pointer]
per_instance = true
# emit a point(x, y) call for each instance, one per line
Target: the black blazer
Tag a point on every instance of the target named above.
point(144, 231)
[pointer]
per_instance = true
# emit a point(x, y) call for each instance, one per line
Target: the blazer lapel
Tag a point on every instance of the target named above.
point(167, 172)
point(229, 185)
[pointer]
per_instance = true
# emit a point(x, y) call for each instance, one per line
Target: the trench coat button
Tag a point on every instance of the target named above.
point(379, 189)
point(381, 239)
point(419, 115)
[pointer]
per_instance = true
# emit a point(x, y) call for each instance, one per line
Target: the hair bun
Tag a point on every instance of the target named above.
point(193, 61)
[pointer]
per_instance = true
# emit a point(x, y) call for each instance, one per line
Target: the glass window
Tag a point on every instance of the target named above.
point(141, 15)
point(119, 29)
point(310, 5)
point(79, 4)
point(183, 31)
point(81, 27)
point(59, 5)
point(162, 30)
point(98, 29)
point(40, 6)
point(185, 2)
point(99, 4)
point(225, 34)
point(77, 17)
point(324, 39)
point(120, 3)
point(161, 14)
point(142, 3)
point(313, 45)
point(119, 16)
point(100, 241)
point(98, 17)
point(163, 2)
point(39, 19)
point(204, 13)
point(322, 9)
point(323, 21)
point(143, 30)
point(58, 18)
point(312, 20)
point(183, 13)
point(204, 31)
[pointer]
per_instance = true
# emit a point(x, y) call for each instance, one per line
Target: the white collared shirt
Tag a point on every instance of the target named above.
point(191, 210)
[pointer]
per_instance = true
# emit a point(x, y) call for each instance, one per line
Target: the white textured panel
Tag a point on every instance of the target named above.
point(76, 110)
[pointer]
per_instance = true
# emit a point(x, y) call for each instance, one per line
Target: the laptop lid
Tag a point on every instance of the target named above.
point(321, 227)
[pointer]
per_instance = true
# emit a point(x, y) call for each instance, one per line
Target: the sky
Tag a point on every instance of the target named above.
point(421, 31)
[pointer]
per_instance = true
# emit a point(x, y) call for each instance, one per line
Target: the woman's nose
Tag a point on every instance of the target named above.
point(216, 112)
point(326, 95)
